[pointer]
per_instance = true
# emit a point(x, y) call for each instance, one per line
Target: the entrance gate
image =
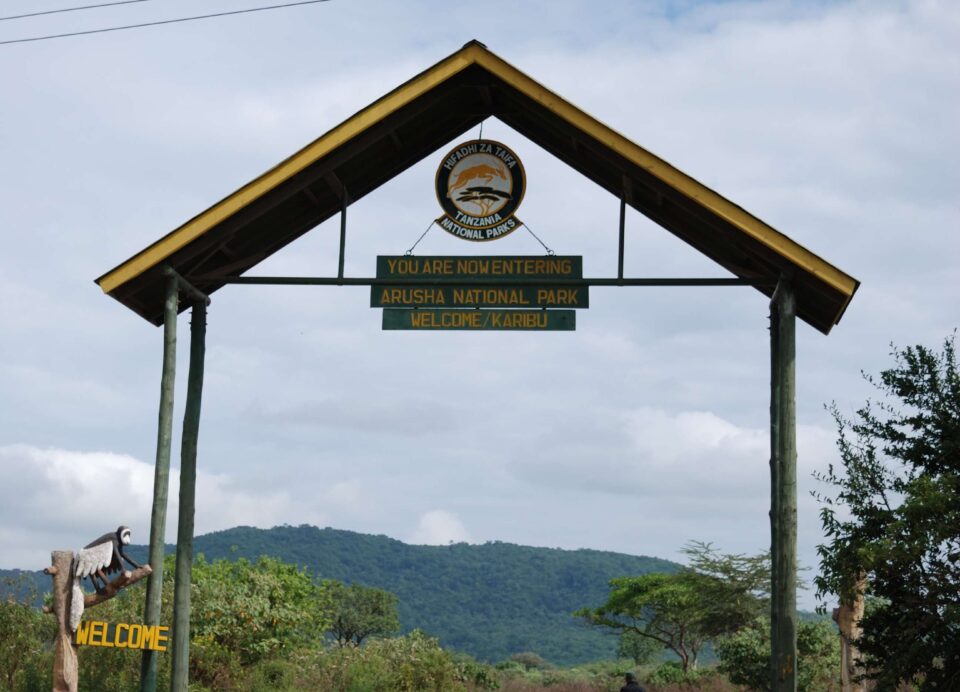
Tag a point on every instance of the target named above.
point(411, 122)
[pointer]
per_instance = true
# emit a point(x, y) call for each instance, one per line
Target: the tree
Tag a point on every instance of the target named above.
point(27, 632)
point(894, 518)
point(358, 612)
point(640, 650)
point(716, 594)
point(256, 610)
point(745, 655)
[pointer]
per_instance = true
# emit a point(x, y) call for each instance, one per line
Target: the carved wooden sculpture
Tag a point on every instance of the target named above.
point(99, 558)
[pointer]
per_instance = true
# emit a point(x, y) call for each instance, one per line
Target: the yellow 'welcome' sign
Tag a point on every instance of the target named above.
point(122, 635)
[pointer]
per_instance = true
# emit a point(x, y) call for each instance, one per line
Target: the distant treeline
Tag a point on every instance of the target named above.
point(490, 601)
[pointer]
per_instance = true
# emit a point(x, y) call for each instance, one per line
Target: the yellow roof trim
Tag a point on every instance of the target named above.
point(347, 130)
point(672, 176)
point(474, 53)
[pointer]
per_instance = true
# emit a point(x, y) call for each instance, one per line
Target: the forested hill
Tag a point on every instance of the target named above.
point(491, 600)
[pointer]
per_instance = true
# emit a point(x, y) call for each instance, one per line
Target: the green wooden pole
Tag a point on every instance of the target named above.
point(188, 485)
point(161, 481)
point(783, 467)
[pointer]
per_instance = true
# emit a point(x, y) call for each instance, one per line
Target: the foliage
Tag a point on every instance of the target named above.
point(410, 663)
point(25, 637)
point(357, 612)
point(490, 600)
point(638, 649)
point(717, 595)
point(664, 607)
point(118, 670)
point(672, 672)
point(256, 610)
point(895, 519)
point(745, 655)
point(530, 661)
point(736, 589)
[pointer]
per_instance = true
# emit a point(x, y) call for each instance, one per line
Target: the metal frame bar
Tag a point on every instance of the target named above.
point(623, 219)
point(370, 281)
point(343, 232)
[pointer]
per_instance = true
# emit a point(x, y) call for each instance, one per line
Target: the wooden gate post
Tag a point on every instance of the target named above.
point(161, 479)
point(65, 670)
point(188, 486)
point(783, 489)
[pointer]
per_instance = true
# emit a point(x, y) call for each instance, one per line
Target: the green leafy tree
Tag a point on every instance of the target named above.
point(640, 650)
point(666, 608)
point(716, 595)
point(358, 612)
point(256, 610)
point(25, 634)
point(745, 656)
point(530, 660)
point(894, 517)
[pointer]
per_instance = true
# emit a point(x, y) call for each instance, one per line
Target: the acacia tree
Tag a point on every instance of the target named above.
point(894, 517)
point(716, 595)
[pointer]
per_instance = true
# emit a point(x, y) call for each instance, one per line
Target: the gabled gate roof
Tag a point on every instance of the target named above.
point(420, 116)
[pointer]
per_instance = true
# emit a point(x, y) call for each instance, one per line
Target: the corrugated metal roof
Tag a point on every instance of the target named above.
point(412, 122)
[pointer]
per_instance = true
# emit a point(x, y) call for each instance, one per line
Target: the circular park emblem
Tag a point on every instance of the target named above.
point(480, 184)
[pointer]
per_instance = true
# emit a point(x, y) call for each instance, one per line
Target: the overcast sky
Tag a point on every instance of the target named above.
point(646, 428)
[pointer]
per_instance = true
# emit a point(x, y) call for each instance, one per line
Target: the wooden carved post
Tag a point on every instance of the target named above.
point(65, 672)
point(188, 485)
point(848, 617)
point(65, 667)
point(783, 476)
point(161, 479)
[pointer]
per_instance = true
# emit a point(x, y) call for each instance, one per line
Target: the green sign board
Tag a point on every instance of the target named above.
point(499, 296)
point(480, 320)
point(496, 268)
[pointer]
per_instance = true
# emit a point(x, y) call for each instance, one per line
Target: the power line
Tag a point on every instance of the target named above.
point(70, 9)
point(158, 23)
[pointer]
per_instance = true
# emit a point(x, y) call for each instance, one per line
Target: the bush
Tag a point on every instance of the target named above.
point(671, 672)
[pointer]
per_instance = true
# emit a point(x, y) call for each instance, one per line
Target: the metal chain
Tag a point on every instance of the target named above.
point(412, 247)
point(530, 231)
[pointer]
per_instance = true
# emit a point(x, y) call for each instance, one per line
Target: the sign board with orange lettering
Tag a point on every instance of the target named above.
point(479, 297)
point(497, 268)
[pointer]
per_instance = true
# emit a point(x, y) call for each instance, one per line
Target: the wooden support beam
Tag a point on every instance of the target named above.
point(161, 478)
point(783, 488)
point(188, 490)
point(334, 183)
point(486, 95)
point(65, 671)
point(185, 287)
point(395, 138)
point(312, 197)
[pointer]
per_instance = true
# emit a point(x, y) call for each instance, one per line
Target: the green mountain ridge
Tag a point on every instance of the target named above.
point(489, 600)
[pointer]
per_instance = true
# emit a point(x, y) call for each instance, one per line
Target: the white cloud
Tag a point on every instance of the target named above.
point(833, 121)
point(54, 499)
point(439, 527)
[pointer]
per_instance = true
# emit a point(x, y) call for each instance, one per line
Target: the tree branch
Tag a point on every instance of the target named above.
point(125, 579)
